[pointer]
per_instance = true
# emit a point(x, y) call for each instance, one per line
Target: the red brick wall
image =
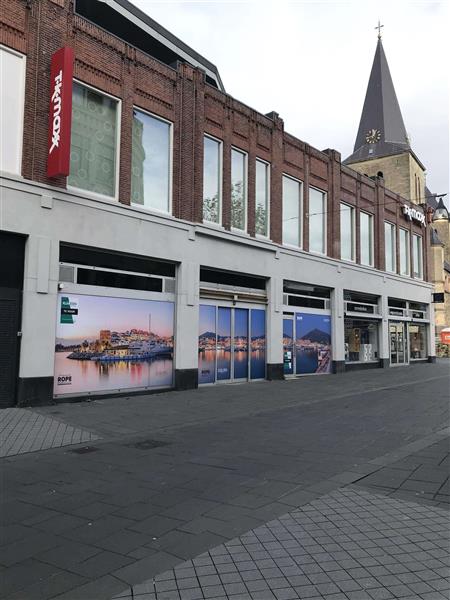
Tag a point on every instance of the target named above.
point(181, 96)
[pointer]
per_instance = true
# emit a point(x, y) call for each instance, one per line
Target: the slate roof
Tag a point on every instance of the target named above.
point(446, 266)
point(434, 238)
point(431, 199)
point(381, 111)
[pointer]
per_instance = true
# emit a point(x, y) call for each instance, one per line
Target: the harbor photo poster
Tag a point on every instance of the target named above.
point(313, 343)
point(107, 343)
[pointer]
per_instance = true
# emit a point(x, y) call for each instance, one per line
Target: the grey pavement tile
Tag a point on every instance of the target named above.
point(101, 589)
point(52, 586)
point(139, 570)
point(100, 564)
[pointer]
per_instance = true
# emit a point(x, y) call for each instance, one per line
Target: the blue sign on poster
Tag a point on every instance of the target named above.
point(312, 343)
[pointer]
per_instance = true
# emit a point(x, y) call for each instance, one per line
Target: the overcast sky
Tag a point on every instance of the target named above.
point(310, 61)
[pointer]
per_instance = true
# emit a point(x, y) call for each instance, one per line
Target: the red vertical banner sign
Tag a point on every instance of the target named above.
point(60, 113)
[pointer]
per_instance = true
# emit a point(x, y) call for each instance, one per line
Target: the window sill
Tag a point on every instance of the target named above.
point(149, 210)
point(93, 195)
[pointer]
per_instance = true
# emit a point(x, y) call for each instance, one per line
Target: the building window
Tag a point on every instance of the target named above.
point(151, 162)
point(405, 259)
point(317, 221)
point(347, 232)
point(93, 150)
point(238, 190)
point(417, 341)
point(292, 190)
point(12, 85)
point(389, 247)
point(361, 340)
point(366, 238)
point(417, 256)
point(212, 180)
point(262, 198)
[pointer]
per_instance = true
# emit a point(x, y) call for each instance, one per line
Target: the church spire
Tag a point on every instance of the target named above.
point(381, 129)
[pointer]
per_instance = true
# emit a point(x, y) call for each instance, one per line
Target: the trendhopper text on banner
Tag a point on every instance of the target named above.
point(60, 113)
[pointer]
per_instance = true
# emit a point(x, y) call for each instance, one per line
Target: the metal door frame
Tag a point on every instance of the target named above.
point(245, 306)
point(404, 326)
point(291, 318)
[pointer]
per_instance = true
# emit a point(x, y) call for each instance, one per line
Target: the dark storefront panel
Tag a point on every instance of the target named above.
point(11, 285)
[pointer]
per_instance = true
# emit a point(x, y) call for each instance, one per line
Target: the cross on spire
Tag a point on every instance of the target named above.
point(379, 26)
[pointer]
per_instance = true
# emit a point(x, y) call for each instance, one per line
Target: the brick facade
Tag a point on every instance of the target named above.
point(39, 28)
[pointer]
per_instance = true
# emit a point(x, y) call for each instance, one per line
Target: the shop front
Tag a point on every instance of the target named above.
point(232, 327)
point(361, 328)
point(306, 329)
point(111, 338)
point(408, 330)
point(231, 343)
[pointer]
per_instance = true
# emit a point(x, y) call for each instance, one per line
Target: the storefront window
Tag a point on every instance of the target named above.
point(93, 146)
point(361, 340)
point(238, 189)
point(417, 341)
point(262, 198)
point(212, 174)
point(150, 162)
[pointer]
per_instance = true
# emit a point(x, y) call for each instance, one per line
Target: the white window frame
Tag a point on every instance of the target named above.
point(264, 162)
point(300, 212)
point(408, 250)
point(372, 238)
point(21, 108)
point(353, 231)
point(393, 248)
point(245, 154)
point(324, 221)
point(170, 174)
point(415, 238)
point(83, 191)
point(220, 142)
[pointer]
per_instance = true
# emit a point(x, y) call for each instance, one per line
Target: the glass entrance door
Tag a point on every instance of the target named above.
point(288, 346)
point(231, 344)
point(398, 343)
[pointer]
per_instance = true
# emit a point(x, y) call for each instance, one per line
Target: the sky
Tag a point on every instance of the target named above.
point(310, 61)
point(116, 314)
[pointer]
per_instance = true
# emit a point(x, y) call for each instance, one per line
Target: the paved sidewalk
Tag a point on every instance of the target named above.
point(23, 430)
point(177, 474)
point(347, 545)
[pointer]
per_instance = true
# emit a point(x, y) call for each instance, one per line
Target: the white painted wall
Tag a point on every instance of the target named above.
point(12, 90)
point(49, 216)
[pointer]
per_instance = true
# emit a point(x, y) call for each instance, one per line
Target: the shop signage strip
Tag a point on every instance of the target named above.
point(60, 112)
point(413, 214)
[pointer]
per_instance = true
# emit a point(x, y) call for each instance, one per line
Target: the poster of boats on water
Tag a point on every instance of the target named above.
point(313, 343)
point(106, 343)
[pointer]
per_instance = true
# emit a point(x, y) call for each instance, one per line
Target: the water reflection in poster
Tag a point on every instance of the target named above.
point(258, 344)
point(240, 343)
point(207, 344)
point(105, 343)
point(223, 355)
point(313, 343)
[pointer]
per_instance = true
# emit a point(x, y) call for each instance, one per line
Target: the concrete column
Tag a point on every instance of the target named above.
point(337, 329)
point(383, 341)
point(38, 326)
point(431, 337)
point(186, 331)
point(274, 334)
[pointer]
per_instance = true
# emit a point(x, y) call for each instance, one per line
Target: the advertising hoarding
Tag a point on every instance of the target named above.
point(106, 343)
point(313, 343)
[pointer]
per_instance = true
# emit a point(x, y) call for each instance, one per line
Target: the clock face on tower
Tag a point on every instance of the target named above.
point(373, 136)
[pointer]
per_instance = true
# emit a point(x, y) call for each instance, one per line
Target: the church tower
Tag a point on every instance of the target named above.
point(382, 147)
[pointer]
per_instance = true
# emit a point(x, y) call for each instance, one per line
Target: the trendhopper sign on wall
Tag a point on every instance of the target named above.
point(413, 214)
